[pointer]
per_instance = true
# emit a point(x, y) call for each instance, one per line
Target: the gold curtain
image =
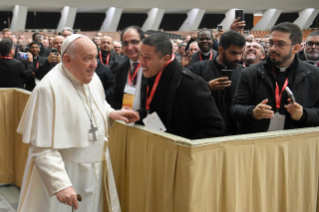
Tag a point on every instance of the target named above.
point(157, 171)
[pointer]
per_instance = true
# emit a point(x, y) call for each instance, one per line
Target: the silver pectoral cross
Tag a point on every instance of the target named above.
point(93, 130)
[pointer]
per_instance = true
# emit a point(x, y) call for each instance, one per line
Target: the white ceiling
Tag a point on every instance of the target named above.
point(171, 6)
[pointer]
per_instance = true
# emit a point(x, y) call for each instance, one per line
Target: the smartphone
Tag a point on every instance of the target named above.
point(226, 73)
point(290, 94)
point(220, 28)
point(240, 13)
point(23, 55)
point(54, 50)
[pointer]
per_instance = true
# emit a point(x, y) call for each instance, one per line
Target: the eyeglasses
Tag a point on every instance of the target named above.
point(310, 43)
point(279, 46)
point(133, 42)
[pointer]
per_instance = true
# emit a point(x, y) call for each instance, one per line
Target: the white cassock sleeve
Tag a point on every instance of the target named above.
point(50, 166)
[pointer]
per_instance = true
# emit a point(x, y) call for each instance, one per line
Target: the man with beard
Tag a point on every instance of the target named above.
point(53, 59)
point(107, 55)
point(254, 53)
point(44, 52)
point(222, 74)
point(311, 50)
point(261, 103)
point(175, 96)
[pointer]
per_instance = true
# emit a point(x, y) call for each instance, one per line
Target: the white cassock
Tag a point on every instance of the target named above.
point(62, 151)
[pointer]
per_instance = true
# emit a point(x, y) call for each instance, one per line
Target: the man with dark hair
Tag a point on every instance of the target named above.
point(174, 96)
point(222, 74)
point(261, 103)
point(128, 74)
point(97, 41)
point(266, 40)
point(107, 55)
point(12, 71)
point(44, 52)
point(311, 50)
point(37, 62)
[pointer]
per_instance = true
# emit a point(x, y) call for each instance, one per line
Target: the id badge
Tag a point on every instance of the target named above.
point(128, 97)
point(277, 122)
point(154, 122)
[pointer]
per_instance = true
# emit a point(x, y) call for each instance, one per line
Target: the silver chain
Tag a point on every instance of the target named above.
point(90, 106)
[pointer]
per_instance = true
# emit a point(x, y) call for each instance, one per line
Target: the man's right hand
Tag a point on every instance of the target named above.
point(56, 58)
point(263, 111)
point(237, 25)
point(68, 196)
point(219, 83)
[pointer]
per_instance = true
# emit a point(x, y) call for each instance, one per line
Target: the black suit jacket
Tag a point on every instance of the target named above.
point(107, 78)
point(120, 82)
point(44, 68)
point(114, 60)
point(257, 83)
point(184, 103)
point(30, 84)
point(209, 70)
point(13, 73)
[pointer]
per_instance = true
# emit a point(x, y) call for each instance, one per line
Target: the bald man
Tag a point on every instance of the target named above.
point(107, 55)
point(53, 59)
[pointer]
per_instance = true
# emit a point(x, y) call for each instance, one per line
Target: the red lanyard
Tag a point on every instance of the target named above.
point(107, 59)
point(210, 56)
point(278, 96)
point(244, 65)
point(150, 97)
point(37, 64)
point(130, 77)
point(9, 58)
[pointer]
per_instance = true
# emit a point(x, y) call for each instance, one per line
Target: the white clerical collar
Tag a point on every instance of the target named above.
point(282, 69)
point(70, 75)
point(206, 54)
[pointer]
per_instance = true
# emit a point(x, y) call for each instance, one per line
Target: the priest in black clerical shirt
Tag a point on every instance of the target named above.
point(261, 103)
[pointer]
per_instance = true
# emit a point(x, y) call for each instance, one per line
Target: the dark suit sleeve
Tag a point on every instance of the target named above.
point(26, 71)
point(240, 109)
point(43, 69)
point(205, 111)
point(117, 98)
point(108, 84)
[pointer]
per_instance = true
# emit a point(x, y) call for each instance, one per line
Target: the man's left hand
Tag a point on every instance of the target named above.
point(128, 116)
point(295, 110)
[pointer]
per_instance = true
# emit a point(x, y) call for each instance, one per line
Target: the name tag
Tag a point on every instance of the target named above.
point(277, 122)
point(154, 122)
point(128, 97)
point(129, 89)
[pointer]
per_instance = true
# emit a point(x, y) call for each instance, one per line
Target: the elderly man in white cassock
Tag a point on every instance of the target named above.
point(66, 124)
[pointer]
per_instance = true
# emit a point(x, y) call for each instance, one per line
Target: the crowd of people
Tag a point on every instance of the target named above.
point(213, 84)
point(205, 86)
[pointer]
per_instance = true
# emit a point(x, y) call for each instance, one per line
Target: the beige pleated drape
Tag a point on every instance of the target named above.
point(154, 171)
